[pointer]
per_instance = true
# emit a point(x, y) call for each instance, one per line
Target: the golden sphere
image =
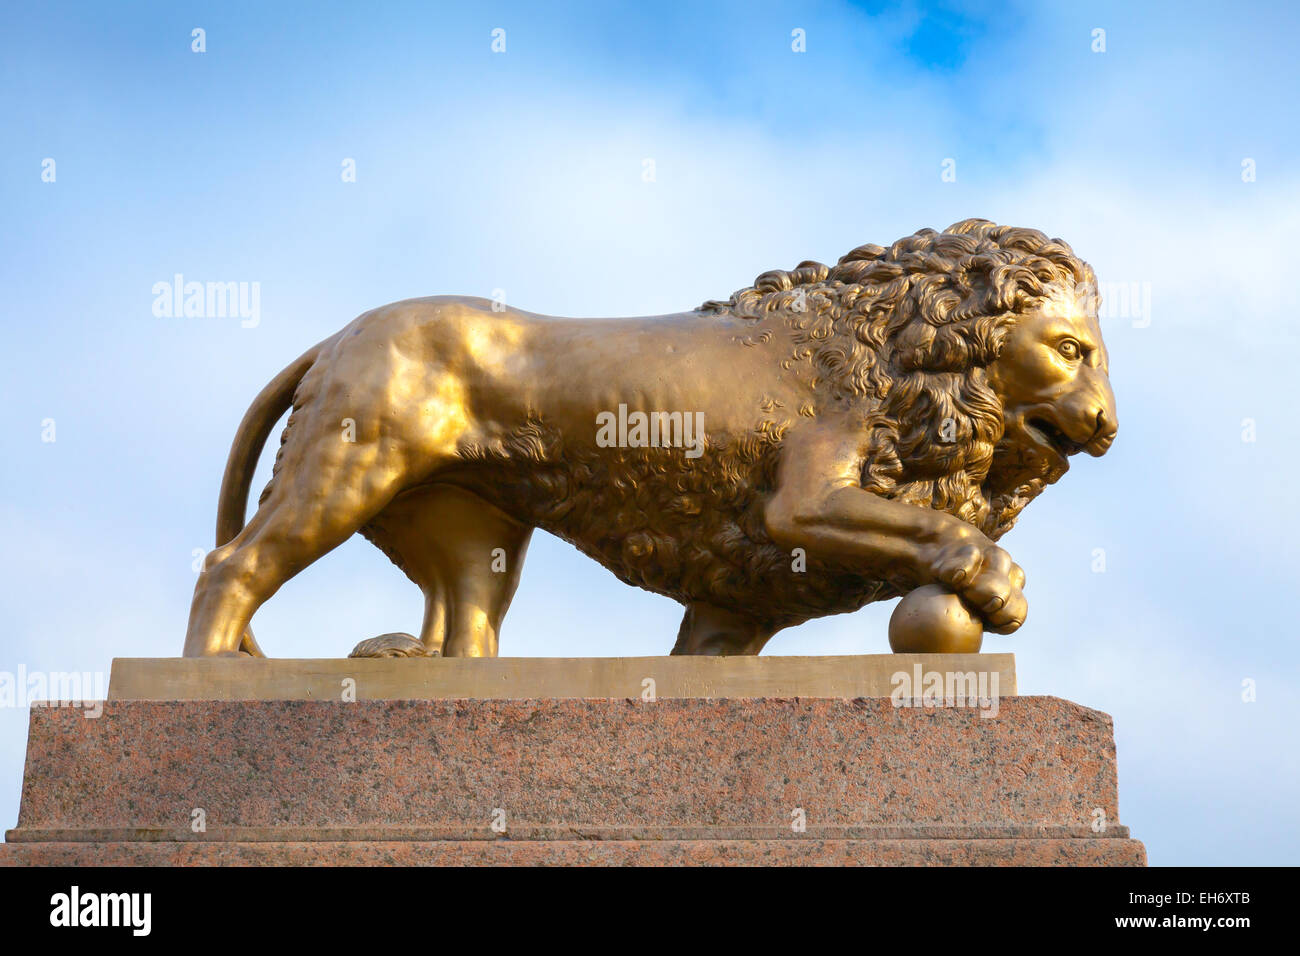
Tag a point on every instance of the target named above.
point(933, 620)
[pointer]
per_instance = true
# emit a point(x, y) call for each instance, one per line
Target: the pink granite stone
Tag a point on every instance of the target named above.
point(684, 781)
point(503, 852)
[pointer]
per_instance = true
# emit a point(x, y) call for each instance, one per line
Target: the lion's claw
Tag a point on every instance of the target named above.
point(986, 577)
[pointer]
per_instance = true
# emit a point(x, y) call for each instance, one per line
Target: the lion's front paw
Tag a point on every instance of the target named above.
point(986, 577)
point(391, 645)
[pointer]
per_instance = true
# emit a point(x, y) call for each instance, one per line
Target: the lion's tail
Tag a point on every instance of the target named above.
point(272, 402)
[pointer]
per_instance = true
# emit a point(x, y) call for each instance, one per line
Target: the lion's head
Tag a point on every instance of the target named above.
point(977, 350)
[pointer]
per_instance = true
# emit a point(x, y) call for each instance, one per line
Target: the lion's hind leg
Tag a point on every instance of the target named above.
point(465, 555)
point(714, 631)
point(327, 489)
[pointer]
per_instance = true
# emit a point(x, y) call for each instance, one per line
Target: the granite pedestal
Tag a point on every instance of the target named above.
point(459, 765)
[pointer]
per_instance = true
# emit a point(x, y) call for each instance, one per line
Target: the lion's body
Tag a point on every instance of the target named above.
point(851, 439)
point(531, 389)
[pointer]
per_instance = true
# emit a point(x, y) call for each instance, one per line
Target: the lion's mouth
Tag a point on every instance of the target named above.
point(1053, 437)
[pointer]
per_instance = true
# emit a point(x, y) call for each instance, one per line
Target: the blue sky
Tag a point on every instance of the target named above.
point(522, 171)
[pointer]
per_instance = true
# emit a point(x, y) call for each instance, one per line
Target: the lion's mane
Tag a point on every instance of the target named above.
point(912, 328)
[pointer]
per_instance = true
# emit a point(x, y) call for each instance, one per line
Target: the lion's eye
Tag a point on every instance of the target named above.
point(1069, 348)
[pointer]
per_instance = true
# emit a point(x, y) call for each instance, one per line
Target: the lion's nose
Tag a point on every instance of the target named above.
point(1103, 435)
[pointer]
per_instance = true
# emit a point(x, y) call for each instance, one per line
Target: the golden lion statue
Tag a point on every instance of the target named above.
point(827, 437)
